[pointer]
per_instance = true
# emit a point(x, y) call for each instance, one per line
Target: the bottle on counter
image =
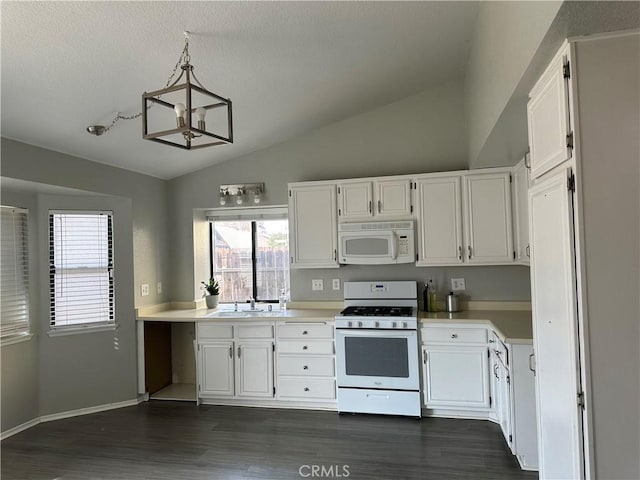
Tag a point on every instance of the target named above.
point(282, 300)
point(432, 296)
point(425, 296)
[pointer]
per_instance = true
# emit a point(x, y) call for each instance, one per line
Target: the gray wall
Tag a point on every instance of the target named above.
point(19, 368)
point(505, 39)
point(88, 369)
point(422, 133)
point(148, 195)
point(608, 76)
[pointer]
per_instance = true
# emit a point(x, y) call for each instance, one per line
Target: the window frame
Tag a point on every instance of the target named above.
point(93, 326)
point(253, 215)
point(18, 329)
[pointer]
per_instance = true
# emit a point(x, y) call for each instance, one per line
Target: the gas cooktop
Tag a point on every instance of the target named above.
point(377, 311)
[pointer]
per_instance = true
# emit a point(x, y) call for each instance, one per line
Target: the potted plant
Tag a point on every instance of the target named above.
point(212, 289)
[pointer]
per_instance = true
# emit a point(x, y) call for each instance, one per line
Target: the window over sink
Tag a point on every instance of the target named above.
point(250, 253)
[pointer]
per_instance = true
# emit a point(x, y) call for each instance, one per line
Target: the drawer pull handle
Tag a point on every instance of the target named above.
point(306, 367)
point(306, 389)
point(305, 332)
point(230, 352)
point(454, 335)
point(304, 347)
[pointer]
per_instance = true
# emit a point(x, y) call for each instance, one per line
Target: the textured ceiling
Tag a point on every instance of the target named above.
point(288, 67)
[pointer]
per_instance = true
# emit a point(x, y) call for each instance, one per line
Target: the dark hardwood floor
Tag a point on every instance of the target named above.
point(172, 440)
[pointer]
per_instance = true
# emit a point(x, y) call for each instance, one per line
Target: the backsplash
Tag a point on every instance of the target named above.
point(497, 283)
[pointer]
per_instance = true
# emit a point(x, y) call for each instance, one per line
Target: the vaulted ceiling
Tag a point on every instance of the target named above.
point(288, 67)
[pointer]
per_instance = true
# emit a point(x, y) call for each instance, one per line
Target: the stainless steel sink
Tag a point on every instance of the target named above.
point(244, 313)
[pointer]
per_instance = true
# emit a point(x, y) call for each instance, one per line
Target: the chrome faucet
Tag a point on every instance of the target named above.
point(253, 303)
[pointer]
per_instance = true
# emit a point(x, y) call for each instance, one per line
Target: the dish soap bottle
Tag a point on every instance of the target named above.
point(432, 296)
point(282, 300)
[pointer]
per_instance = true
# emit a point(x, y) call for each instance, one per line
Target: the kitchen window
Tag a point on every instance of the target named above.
point(250, 253)
point(14, 274)
point(81, 270)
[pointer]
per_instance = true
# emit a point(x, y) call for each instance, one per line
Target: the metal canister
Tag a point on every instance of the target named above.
point(452, 302)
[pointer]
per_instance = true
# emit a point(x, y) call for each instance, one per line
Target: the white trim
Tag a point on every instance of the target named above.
point(13, 339)
point(86, 328)
point(269, 403)
point(70, 413)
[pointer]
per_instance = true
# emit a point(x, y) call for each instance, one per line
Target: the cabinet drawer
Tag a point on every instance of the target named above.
point(209, 331)
point(316, 388)
point(306, 346)
point(454, 335)
point(311, 330)
point(255, 331)
point(306, 366)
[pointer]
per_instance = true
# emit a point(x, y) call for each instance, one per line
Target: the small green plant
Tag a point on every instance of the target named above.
point(212, 287)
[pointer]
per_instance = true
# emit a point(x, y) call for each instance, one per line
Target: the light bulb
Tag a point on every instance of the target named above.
point(180, 114)
point(223, 200)
point(240, 197)
point(201, 113)
point(257, 196)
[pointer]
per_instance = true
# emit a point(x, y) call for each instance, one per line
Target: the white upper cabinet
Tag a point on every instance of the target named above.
point(488, 220)
point(355, 200)
point(464, 218)
point(439, 212)
point(375, 199)
point(313, 225)
point(520, 189)
point(550, 135)
point(393, 199)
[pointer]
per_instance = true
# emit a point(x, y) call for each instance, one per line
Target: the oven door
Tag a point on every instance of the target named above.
point(385, 359)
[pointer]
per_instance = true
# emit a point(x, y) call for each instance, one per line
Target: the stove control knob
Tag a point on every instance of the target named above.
point(349, 324)
point(377, 324)
point(393, 325)
point(404, 325)
point(360, 324)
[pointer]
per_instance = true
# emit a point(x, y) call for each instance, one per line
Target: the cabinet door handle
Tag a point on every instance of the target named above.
point(305, 332)
point(469, 247)
point(532, 358)
point(306, 389)
point(379, 206)
point(495, 371)
point(230, 352)
point(305, 367)
point(370, 206)
point(238, 352)
point(528, 250)
point(304, 347)
point(335, 254)
point(454, 335)
point(460, 252)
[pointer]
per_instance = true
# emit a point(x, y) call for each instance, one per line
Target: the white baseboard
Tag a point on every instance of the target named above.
point(70, 413)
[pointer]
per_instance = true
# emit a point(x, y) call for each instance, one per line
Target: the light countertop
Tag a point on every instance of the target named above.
point(512, 326)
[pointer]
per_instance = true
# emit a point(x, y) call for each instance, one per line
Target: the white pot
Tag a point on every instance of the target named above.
point(212, 301)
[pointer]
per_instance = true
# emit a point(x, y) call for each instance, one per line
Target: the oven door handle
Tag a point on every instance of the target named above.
point(350, 332)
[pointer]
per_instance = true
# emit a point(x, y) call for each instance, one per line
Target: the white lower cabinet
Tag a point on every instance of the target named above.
point(306, 362)
point(455, 367)
point(238, 365)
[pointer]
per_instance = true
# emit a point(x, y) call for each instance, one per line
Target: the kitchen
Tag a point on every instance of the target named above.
point(168, 216)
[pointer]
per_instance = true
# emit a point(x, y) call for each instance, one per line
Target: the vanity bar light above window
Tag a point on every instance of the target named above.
point(238, 194)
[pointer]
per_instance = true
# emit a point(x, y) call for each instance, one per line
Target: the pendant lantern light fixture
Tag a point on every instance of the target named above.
point(191, 116)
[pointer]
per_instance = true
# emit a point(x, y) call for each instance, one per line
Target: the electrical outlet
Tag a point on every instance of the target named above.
point(159, 288)
point(144, 289)
point(457, 284)
point(336, 284)
point(317, 285)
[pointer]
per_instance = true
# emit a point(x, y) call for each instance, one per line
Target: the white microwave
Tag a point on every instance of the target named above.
point(376, 243)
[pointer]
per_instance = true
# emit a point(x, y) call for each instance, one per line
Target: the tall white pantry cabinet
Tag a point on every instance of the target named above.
point(584, 205)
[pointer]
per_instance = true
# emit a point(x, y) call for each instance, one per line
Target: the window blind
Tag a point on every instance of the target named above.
point(14, 272)
point(81, 268)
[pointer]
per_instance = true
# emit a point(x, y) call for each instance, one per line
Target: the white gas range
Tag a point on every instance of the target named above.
point(377, 349)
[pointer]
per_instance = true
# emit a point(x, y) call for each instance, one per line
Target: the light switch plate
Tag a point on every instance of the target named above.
point(336, 284)
point(457, 284)
point(317, 285)
point(144, 289)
